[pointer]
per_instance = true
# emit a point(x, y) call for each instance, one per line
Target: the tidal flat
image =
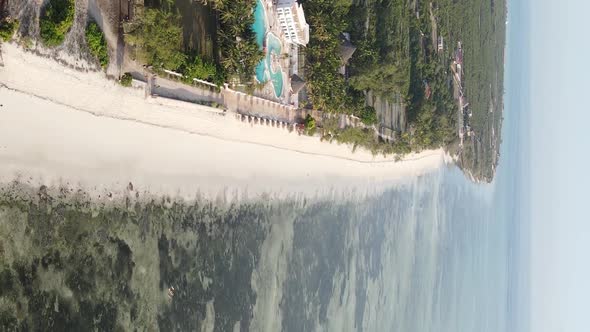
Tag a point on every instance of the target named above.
point(394, 260)
point(69, 263)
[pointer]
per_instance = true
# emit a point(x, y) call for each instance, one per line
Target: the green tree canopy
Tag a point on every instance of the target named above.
point(368, 115)
point(7, 29)
point(56, 20)
point(381, 79)
point(197, 68)
point(239, 52)
point(97, 43)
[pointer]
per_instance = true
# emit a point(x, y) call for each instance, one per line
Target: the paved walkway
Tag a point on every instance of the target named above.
point(243, 103)
point(231, 100)
point(164, 87)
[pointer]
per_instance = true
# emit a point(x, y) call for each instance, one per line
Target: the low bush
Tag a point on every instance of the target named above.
point(7, 29)
point(97, 43)
point(56, 20)
point(126, 79)
point(197, 68)
point(310, 125)
point(368, 116)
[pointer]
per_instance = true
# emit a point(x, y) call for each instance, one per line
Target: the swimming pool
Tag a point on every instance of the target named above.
point(264, 70)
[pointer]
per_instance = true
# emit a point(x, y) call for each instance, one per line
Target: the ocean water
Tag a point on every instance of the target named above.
point(425, 256)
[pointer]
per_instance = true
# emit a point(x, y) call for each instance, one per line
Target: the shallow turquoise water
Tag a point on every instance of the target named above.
point(427, 256)
point(259, 28)
point(259, 25)
point(274, 47)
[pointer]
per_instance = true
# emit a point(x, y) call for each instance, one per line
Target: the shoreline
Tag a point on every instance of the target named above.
point(62, 127)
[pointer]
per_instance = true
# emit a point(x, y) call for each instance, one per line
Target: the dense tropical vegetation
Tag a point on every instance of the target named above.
point(326, 87)
point(97, 43)
point(157, 36)
point(398, 61)
point(239, 53)
point(388, 60)
point(56, 20)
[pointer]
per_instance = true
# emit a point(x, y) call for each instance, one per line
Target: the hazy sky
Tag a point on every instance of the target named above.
point(560, 158)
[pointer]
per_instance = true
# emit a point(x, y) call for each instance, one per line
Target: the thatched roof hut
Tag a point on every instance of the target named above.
point(297, 83)
point(346, 48)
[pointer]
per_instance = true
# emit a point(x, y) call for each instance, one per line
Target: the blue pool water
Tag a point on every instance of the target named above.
point(274, 47)
point(264, 68)
point(259, 25)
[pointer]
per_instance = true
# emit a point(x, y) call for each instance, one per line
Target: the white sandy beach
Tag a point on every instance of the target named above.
point(61, 126)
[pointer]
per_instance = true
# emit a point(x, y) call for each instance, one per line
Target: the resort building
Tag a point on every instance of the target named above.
point(346, 51)
point(441, 44)
point(297, 83)
point(292, 21)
